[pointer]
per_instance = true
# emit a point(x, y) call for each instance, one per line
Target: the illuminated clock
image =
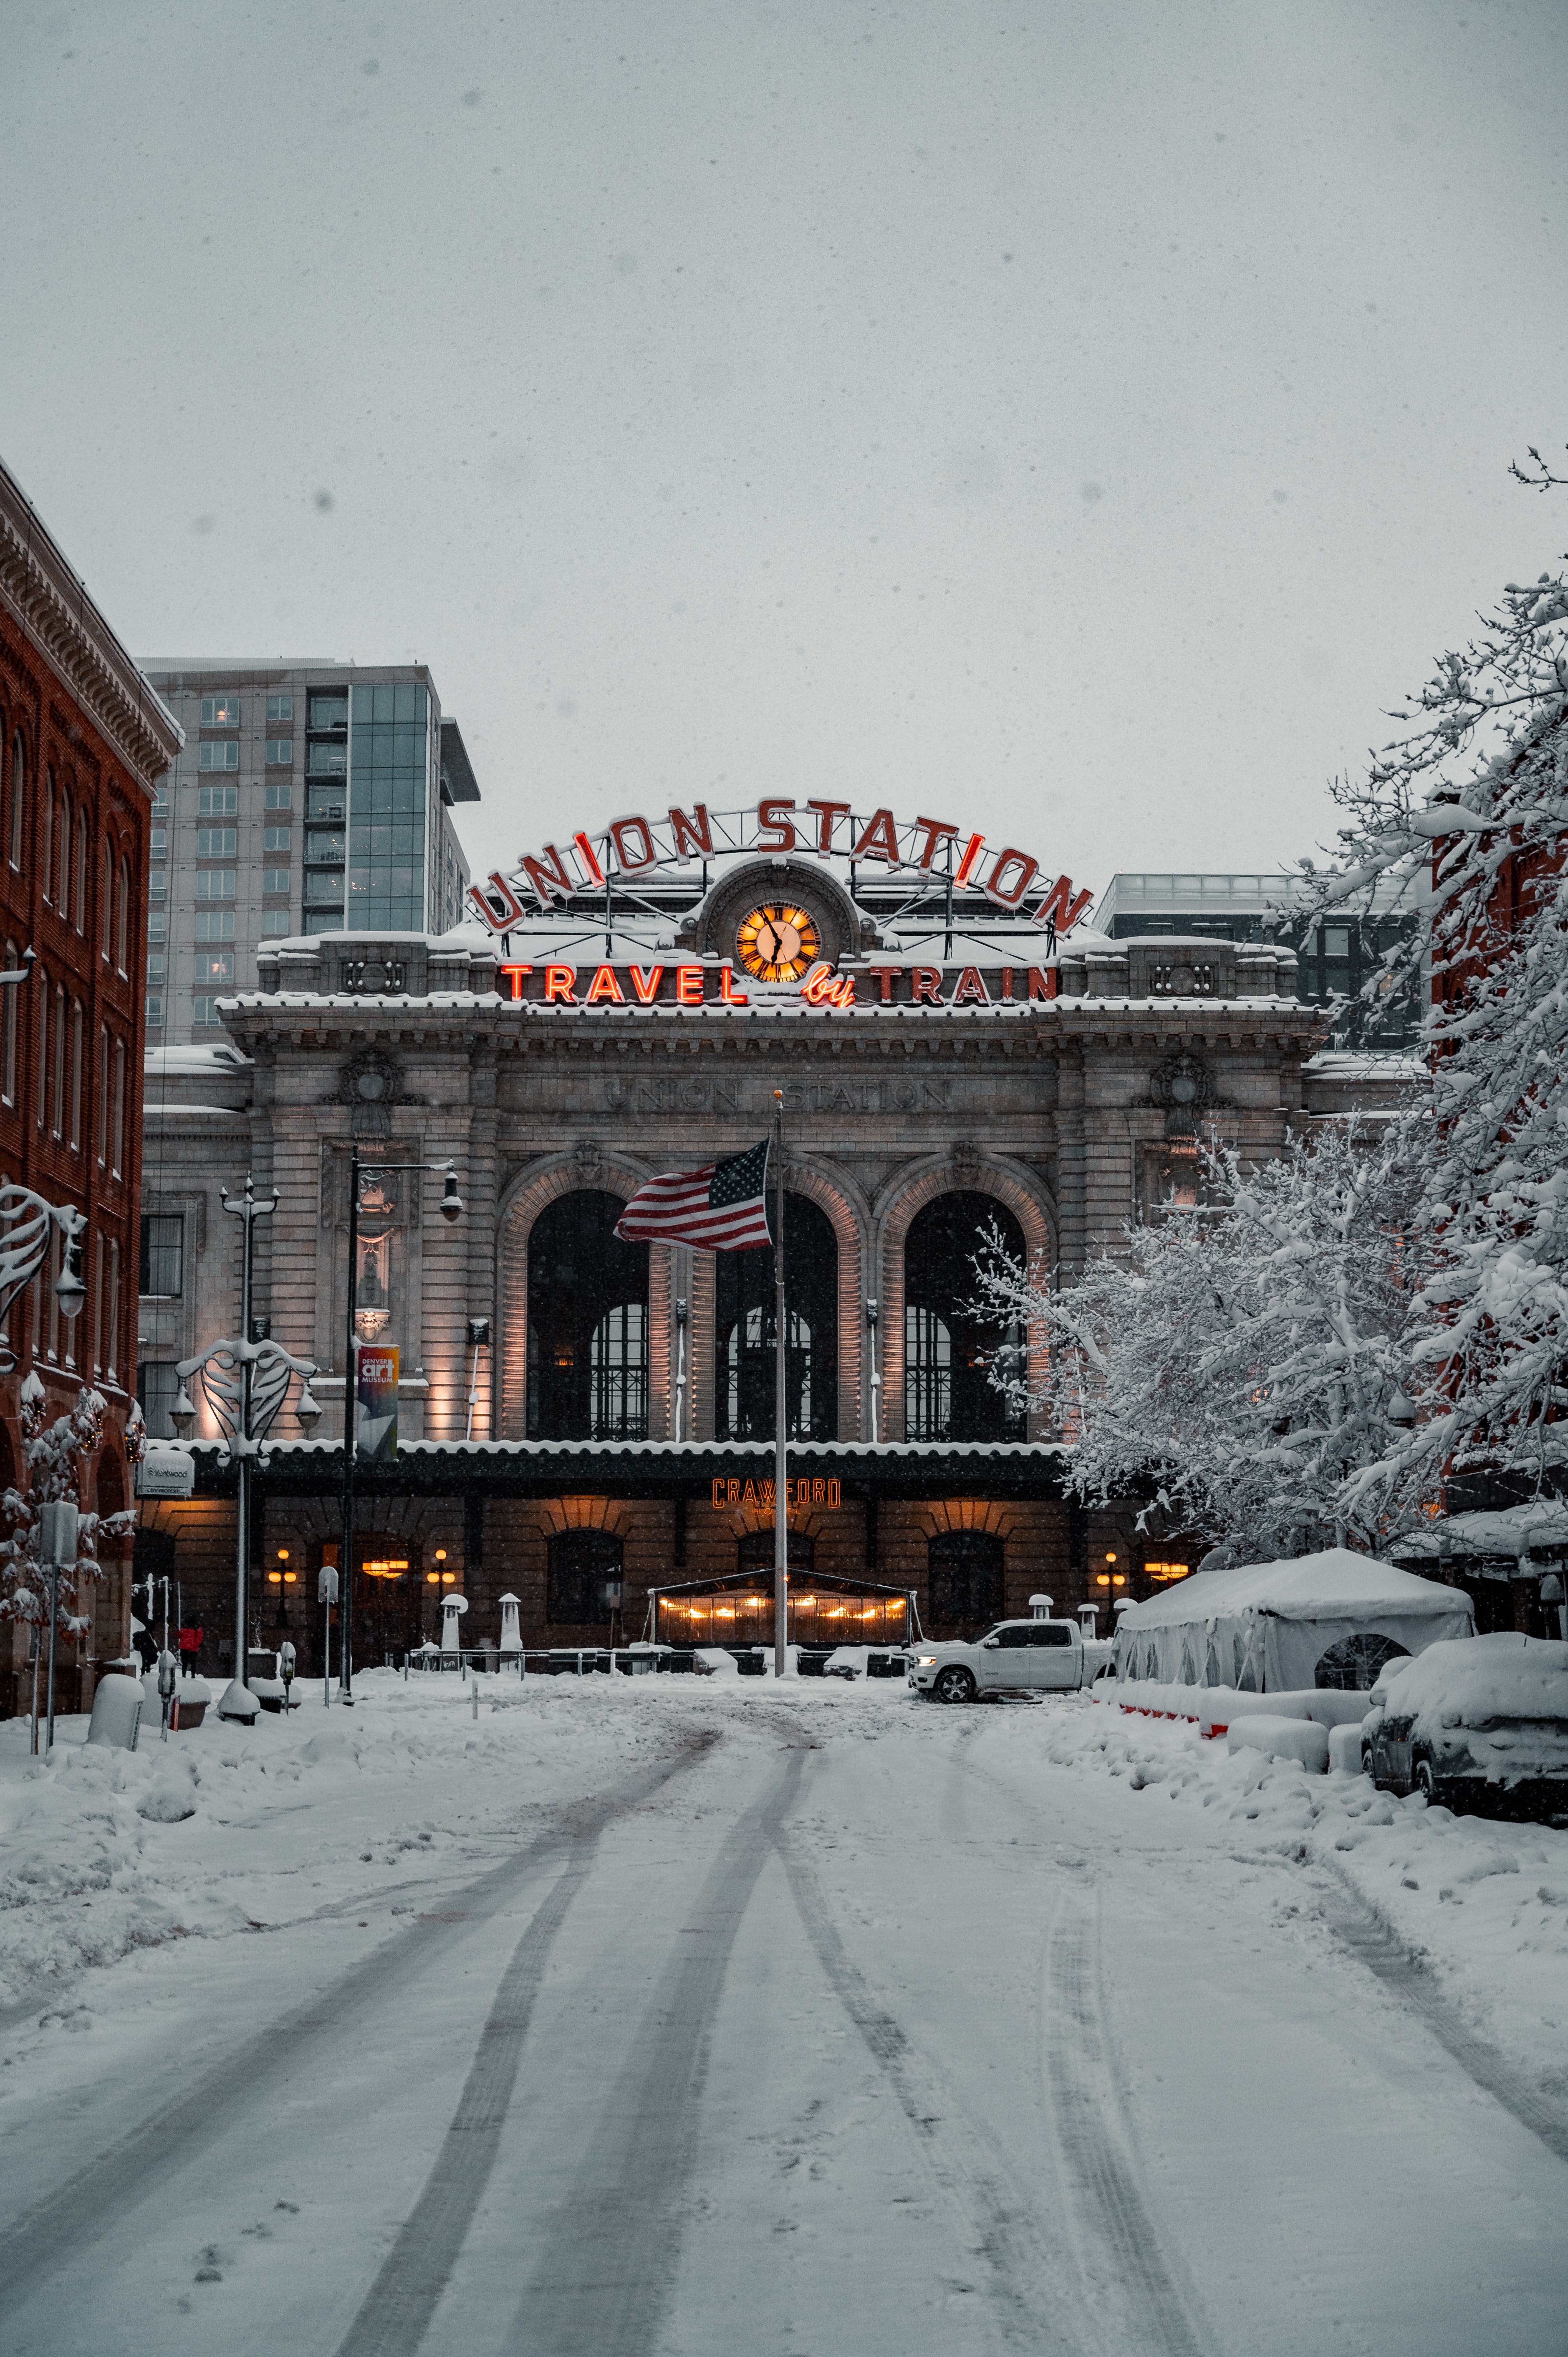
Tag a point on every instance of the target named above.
point(777, 943)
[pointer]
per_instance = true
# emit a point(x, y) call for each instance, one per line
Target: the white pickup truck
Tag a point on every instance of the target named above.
point(1016, 1657)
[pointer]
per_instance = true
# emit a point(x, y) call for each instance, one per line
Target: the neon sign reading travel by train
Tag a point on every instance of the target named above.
point(638, 846)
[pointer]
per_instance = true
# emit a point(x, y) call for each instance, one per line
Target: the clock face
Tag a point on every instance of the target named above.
point(777, 942)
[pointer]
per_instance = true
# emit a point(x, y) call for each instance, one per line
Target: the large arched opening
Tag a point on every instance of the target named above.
point(587, 1323)
point(746, 1332)
point(950, 1349)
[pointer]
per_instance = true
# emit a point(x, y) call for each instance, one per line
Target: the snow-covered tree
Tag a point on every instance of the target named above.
point(54, 1454)
point(1469, 806)
point(1236, 1365)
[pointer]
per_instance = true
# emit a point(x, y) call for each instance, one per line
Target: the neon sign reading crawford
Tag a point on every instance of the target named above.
point(816, 1492)
point(637, 847)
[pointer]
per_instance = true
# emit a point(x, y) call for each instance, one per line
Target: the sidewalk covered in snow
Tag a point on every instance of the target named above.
point(1331, 1619)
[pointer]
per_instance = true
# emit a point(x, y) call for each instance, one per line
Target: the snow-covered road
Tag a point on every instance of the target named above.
point(675, 2018)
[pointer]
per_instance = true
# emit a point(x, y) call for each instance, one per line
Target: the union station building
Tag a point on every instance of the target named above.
point(587, 1425)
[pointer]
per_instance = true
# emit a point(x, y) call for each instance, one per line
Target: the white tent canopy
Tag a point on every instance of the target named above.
point(1266, 1628)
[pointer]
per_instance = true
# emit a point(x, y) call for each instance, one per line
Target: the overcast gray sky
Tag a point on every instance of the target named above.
point(1078, 421)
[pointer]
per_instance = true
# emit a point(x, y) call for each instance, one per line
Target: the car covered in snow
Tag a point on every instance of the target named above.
point(1479, 1724)
point(1016, 1657)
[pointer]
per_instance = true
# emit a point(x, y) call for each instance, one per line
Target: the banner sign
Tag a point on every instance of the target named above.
point(376, 1434)
point(926, 851)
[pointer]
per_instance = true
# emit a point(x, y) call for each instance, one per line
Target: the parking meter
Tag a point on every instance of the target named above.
point(169, 1681)
point(286, 1670)
point(326, 1596)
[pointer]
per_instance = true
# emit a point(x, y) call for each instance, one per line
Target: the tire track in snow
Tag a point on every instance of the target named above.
point(610, 2251)
point(59, 2231)
point(1131, 2293)
point(1379, 1947)
point(1001, 2221)
point(402, 2299)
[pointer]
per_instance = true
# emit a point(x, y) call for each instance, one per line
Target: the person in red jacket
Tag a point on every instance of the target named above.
point(189, 1646)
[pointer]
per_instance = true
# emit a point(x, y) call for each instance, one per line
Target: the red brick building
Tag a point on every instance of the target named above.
point(83, 743)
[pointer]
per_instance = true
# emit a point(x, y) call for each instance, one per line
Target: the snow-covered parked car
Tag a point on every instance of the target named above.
point(1480, 1724)
point(1016, 1656)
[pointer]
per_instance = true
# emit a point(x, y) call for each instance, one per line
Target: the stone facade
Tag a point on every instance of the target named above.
point(1074, 1113)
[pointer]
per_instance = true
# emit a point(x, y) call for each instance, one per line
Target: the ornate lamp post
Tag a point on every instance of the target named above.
point(451, 1208)
point(245, 1384)
point(26, 1221)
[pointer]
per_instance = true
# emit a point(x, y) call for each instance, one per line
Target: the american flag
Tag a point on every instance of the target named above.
point(723, 1207)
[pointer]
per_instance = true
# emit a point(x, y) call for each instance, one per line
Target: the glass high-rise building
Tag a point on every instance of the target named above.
point(1339, 960)
point(311, 798)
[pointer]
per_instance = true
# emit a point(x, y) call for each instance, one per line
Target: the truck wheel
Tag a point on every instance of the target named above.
point(1425, 1781)
point(955, 1685)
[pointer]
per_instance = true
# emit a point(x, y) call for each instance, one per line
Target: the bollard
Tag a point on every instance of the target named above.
point(474, 1691)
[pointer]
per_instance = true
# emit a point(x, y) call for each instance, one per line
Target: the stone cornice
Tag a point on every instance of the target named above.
point(47, 600)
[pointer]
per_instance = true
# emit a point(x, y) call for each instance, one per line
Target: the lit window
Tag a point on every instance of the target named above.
point(280, 752)
point(279, 707)
point(216, 802)
point(220, 712)
point(221, 755)
point(215, 965)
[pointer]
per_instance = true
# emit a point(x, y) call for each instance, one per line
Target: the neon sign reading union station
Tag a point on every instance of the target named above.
point(586, 1424)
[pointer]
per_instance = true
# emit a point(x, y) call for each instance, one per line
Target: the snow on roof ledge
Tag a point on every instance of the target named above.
point(224, 1058)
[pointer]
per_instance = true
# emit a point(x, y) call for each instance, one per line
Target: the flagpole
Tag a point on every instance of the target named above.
point(781, 1425)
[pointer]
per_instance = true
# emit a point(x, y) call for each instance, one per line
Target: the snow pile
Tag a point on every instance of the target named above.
point(1484, 1903)
point(1282, 1738)
point(1491, 1678)
point(229, 1829)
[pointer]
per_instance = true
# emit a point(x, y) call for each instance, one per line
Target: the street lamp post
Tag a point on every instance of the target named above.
point(451, 1209)
point(245, 1384)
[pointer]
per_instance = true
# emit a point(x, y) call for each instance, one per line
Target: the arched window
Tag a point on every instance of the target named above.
point(948, 1348)
point(106, 899)
point(18, 796)
point(123, 920)
point(587, 1323)
point(746, 1332)
point(965, 1574)
point(8, 1051)
point(83, 828)
point(63, 860)
point(46, 836)
point(584, 1577)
